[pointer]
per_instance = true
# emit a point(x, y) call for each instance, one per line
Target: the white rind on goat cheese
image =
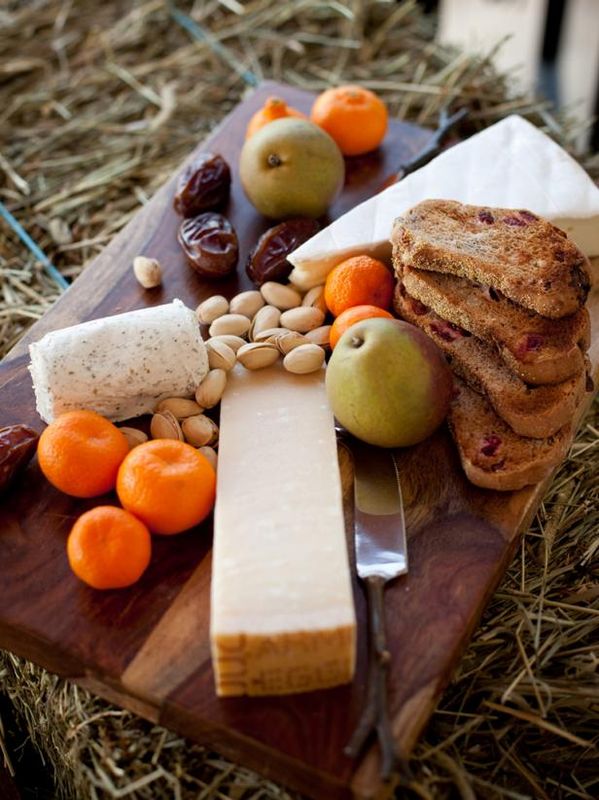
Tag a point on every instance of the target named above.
point(511, 164)
point(119, 366)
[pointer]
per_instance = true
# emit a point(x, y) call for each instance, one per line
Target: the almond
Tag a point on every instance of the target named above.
point(302, 319)
point(257, 355)
point(164, 425)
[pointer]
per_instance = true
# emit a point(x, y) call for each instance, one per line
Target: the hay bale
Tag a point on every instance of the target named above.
point(101, 101)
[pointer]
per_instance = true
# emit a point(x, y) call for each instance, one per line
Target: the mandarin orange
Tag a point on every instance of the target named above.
point(352, 315)
point(168, 484)
point(355, 118)
point(358, 281)
point(80, 453)
point(273, 108)
point(109, 548)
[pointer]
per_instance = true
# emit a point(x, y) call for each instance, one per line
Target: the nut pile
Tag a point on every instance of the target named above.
point(254, 328)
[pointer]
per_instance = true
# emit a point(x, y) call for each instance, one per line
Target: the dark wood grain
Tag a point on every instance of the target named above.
point(146, 648)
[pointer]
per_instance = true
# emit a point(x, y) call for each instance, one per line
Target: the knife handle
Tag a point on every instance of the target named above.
point(375, 716)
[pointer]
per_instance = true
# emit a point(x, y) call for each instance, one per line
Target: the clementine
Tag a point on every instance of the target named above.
point(358, 281)
point(80, 453)
point(273, 108)
point(167, 484)
point(109, 548)
point(352, 315)
point(355, 118)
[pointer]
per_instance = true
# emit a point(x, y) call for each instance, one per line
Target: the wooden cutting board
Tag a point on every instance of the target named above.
point(146, 648)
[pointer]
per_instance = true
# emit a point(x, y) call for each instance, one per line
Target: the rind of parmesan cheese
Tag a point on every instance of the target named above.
point(119, 366)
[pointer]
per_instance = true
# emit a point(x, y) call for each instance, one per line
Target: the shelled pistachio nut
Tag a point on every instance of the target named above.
point(280, 296)
point(235, 324)
point(220, 355)
point(211, 389)
point(133, 436)
point(257, 355)
point(303, 359)
point(200, 430)
point(164, 425)
point(180, 407)
point(212, 308)
point(302, 319)
point(246, 303)
point(266, 317)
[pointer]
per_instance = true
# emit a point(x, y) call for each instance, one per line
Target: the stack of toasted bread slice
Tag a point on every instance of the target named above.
point(502, 293)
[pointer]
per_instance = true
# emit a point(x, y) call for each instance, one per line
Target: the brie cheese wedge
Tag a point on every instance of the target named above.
point(511, 164)
point(119, 366)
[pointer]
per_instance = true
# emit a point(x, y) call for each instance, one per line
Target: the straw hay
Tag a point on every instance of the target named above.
point(100, 102)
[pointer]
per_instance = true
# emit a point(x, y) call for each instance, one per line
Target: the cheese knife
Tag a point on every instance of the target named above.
point(381, 556)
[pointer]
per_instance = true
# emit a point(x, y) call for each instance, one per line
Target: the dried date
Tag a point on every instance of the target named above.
point(268, 260)
point(203, 186)
point(210, 244)
point(17, 446)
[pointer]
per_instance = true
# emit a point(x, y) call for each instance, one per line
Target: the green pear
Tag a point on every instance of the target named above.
point(290, 168)
point(388, 384)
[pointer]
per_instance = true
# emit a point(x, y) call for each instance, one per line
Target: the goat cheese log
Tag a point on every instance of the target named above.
point(119, 366)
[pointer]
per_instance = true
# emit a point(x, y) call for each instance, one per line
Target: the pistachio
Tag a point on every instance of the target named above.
point(267, 317)
point(288, 341)
point(212, 308)
point(235, 324)
point(283, 297)
point(320, 335)
point(147, 271)
point(234, 342)
point(200, 430)
point(210, 454)
point(220, 355)
point(270, 334)
point(303, 359)
point(247, 303)
point(133, 436)
point(302, 319)
point(314, 298)
point(211, 389)
point(180, 407)
point(164, 425)
point(257, 355)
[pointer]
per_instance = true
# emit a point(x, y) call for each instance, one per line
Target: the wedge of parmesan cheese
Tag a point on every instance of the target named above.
point(119, 366)
point(282, 611)
point(511, 164)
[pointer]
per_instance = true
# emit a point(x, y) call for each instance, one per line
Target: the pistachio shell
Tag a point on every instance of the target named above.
point(302, 319)
point(303, 359)
point(212, 308)
point(257, 355)
point(288, 341)
point(220, 355)
point(180, 407)
point(314, 298)
point(164, 425)
point(270, 334)
point(267, 317)
point(209, 453)
point(247, 303)
point(320, 335)
point(133, 436)
point(235, 324)
point(280, 296)
point(211, 389)
point(200, 430)
point(234, 342)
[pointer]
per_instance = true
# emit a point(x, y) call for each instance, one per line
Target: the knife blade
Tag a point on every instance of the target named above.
point(381, 556)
